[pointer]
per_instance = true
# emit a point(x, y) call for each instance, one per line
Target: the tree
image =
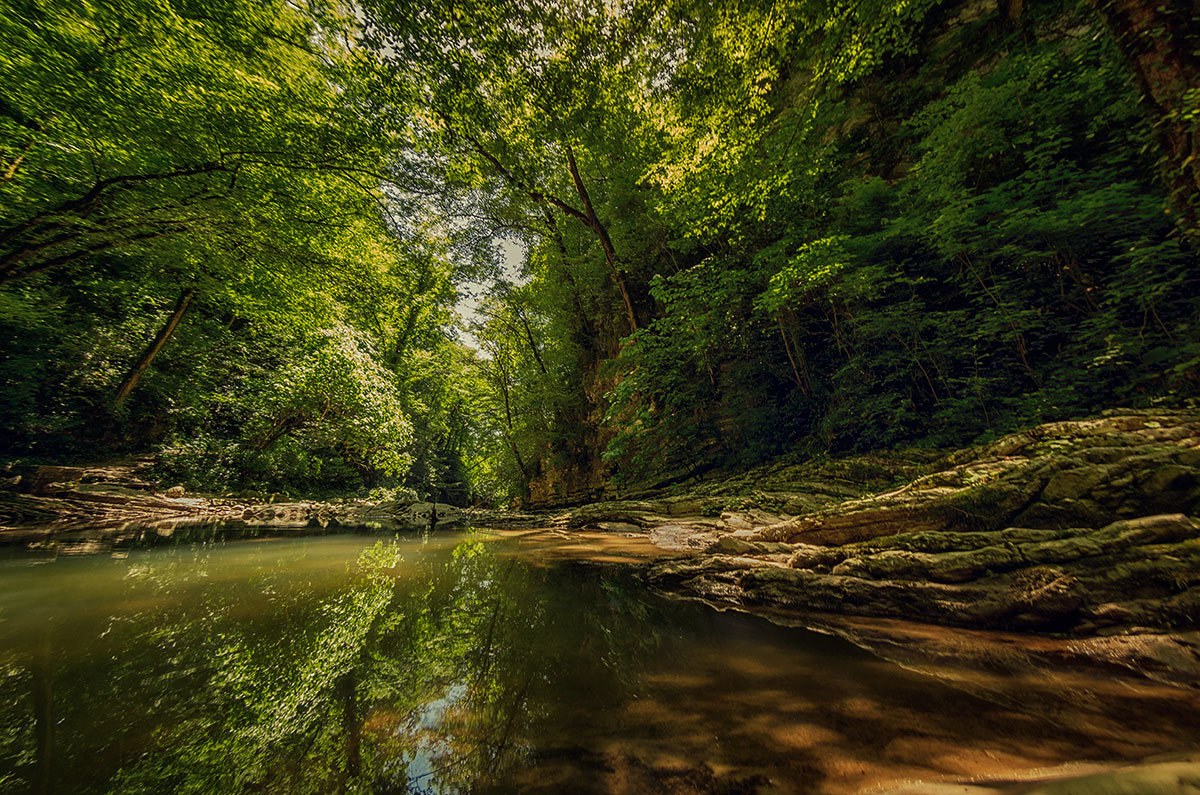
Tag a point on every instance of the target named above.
point(1161, 43)
point(135, 126)
point(197, 238)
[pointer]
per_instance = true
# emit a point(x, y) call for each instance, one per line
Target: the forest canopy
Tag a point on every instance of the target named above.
point(238, 235)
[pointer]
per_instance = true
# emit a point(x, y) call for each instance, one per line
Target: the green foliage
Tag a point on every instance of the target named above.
point(187, 136)
point(154, 148)
point(992, 254)
point(341, 398)
point(745, 226)
point(814, 268)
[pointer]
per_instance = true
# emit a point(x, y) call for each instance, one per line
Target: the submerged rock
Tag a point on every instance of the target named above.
point(297, 514)
point(1171, 774)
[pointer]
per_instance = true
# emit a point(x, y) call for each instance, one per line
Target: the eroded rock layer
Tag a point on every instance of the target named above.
point(1080, 527)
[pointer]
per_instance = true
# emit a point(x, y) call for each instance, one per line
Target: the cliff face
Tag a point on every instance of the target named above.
point(572, 470)
point(577, 477)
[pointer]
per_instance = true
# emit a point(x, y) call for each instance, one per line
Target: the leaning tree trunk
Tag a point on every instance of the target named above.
point(1160, 39)
point(135, 374)
point(601, 232)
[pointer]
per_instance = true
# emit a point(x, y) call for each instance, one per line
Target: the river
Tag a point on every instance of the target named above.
point(228, 659)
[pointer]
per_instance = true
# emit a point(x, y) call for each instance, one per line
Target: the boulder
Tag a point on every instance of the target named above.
point(733, 545)
point(730, 545)
point(736, 521)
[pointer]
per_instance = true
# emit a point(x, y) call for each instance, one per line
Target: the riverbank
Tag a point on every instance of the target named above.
point(1081, 530)
point(604, 685)
point(44, 501)
point(1073, 528)
point(1102, 685)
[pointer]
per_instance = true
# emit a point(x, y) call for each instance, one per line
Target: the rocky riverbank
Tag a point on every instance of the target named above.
point(47, 500)
point(1083, 529)
point(1080, 529)
point(1045, 557)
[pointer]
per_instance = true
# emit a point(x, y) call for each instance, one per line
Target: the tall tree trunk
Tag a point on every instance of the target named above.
point(164, 334)
point(533, 347)
point(801, 382)
point(601, 232)
point(1160, 40)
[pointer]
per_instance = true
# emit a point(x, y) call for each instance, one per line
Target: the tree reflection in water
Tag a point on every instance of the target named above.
point(410, 676)
point(478, 662)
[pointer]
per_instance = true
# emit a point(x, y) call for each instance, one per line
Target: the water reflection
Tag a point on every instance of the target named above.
point(268, 666)
point(461, 663)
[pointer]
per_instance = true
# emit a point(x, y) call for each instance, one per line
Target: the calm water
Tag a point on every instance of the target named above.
point(469, 662)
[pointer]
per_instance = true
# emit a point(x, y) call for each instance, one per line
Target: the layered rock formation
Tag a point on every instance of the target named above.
point(52, 499)
point(1079, 527)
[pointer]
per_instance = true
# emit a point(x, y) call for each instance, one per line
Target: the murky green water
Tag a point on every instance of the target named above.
point(456, 663)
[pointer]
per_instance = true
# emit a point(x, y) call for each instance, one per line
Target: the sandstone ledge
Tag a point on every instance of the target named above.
point(1079, 528)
